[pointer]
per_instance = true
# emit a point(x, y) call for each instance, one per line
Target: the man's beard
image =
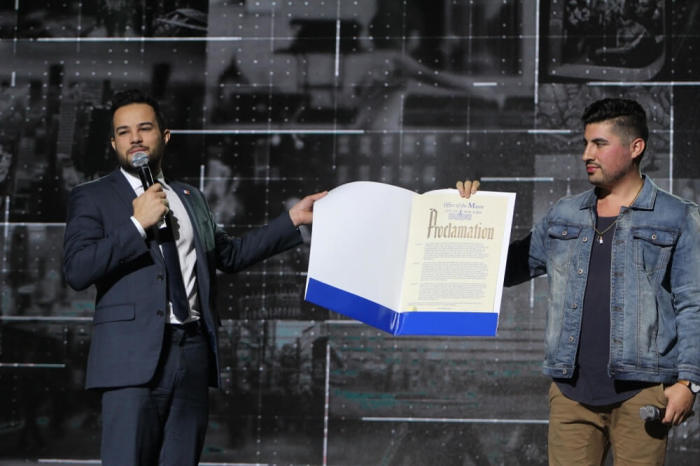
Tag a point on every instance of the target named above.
point(127, 167)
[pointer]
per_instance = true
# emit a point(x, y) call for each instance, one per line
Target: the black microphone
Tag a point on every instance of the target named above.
point(650, 413)
point(140, 163)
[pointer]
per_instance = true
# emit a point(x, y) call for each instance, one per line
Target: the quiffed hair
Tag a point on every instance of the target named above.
point(629, 116)
point(135, 96)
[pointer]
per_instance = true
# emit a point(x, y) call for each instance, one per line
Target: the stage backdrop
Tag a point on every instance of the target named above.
point(271, 100)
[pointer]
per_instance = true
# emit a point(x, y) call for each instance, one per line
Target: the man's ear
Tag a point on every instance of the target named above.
point(114, 144)
point(166, 136)
point(637, 147)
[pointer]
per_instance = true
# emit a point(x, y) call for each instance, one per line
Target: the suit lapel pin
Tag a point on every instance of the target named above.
point(186, 191)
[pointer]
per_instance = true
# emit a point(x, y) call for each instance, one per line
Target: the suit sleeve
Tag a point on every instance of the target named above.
point(95, 246)
point(236, 253)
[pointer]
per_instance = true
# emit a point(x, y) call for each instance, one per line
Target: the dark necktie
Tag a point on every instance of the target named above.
point(176, 285)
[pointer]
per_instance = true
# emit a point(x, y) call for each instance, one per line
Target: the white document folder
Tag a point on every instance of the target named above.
point(411, 264)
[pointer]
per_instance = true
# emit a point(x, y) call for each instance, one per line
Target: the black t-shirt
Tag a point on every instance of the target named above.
point(591, 384)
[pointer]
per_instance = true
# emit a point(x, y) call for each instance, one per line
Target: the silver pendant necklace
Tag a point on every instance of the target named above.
point(601, 233)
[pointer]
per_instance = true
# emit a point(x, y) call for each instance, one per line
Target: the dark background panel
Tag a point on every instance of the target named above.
point(111, 18)
point(270, 406)
point(608, 40)
point(419, 443)
point(686, 134)
point(269, 101)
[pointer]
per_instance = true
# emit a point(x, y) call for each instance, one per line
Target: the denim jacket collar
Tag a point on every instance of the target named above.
point(645, 200)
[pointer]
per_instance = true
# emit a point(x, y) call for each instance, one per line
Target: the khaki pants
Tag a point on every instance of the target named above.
point(582, 435)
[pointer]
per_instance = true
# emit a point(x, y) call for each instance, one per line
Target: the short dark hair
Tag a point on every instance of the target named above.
point(135, 96)
point(627, 115)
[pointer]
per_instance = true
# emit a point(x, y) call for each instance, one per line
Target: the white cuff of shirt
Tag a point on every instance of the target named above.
point(139, 227)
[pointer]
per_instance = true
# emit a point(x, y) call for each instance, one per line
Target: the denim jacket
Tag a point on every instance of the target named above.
point(654, 284)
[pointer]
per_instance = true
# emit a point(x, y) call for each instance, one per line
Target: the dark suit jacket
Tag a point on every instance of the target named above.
point(102, 247)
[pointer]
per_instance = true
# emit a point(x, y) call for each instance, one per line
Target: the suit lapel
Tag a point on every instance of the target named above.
point(122, 187)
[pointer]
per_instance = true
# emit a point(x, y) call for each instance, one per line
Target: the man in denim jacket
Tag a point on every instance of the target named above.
point(623, 327)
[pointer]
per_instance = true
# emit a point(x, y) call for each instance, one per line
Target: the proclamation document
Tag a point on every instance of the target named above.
point(454, 254)
point(408, 263)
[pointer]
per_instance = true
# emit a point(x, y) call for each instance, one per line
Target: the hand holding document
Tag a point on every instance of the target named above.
point(411, 264)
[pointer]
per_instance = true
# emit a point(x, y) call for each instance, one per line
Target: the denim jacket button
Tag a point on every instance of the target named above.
point(580, 271)
point(585, 239)
point(571, 338)
point(564, 371)
point(575, 306)
point(653, 236)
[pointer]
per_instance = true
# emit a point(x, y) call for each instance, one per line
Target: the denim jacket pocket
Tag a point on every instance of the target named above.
point(653, 248)
point(562, 248)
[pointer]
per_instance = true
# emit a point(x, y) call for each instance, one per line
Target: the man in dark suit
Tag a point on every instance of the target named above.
point(153, 255)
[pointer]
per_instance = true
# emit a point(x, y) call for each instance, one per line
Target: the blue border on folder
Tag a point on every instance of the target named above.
point(401, 323)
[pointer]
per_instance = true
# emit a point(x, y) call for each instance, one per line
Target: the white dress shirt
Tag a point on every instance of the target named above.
point(184, 240)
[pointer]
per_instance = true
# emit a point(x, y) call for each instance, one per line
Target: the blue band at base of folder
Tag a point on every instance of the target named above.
point(401, 323)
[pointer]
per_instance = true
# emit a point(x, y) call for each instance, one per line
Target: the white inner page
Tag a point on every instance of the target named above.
point(360, 231)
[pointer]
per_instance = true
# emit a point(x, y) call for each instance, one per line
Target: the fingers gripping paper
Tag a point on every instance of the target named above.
point(411, 264)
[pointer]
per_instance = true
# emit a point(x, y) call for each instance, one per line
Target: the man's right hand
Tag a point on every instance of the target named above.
point(151, 206)
point(467, 187)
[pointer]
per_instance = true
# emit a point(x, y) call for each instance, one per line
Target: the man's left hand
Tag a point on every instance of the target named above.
point(680, 403)
point(302, 213)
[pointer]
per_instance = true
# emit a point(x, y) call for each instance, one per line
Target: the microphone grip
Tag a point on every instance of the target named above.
point(146, 177)
point(650, 413)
